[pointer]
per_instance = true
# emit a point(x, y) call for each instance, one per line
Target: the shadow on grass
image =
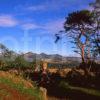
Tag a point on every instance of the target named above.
point(68, 93)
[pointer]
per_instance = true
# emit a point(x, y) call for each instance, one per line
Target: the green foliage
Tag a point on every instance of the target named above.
point(2, 64)
point(96, 18)
point(79, 18)
point(20, 62)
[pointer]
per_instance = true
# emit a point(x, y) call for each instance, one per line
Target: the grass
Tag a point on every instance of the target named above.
point(88, 91)
point(4, 93)
point(19, 84)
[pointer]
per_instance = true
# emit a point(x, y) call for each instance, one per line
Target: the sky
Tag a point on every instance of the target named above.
point(31, 25)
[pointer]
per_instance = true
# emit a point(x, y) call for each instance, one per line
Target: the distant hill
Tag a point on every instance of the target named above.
point(53, 57)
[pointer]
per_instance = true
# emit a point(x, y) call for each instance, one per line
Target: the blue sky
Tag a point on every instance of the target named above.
point(30, 25)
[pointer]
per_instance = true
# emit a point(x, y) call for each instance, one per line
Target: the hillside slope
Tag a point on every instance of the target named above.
point(13, 87)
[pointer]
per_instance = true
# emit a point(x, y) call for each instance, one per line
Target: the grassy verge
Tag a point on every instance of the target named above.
point(20, 84)
point(4, 93)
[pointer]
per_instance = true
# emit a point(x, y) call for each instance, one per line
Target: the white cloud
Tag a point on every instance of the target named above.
point(43, 7)
point(47, 6)
point(54, 26)
point(29, 26)
point(7, 21)
point(58, 4)
point(36, 8)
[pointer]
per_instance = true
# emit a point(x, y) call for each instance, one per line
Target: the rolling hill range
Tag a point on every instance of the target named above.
point(53, 57)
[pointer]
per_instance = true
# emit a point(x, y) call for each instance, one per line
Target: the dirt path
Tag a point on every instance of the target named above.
point(8, 93)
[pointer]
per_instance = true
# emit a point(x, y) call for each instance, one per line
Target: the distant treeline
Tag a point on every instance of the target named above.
point(63, 65)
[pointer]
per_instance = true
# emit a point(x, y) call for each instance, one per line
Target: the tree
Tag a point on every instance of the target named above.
point(20, 63)
point(96, 39)
point(77, 25)
point(2, 65)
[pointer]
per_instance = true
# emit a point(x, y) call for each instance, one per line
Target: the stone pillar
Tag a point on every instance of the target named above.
point(43, 93)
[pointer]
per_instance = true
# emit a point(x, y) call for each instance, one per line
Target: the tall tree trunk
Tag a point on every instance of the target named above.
point(83, 60)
